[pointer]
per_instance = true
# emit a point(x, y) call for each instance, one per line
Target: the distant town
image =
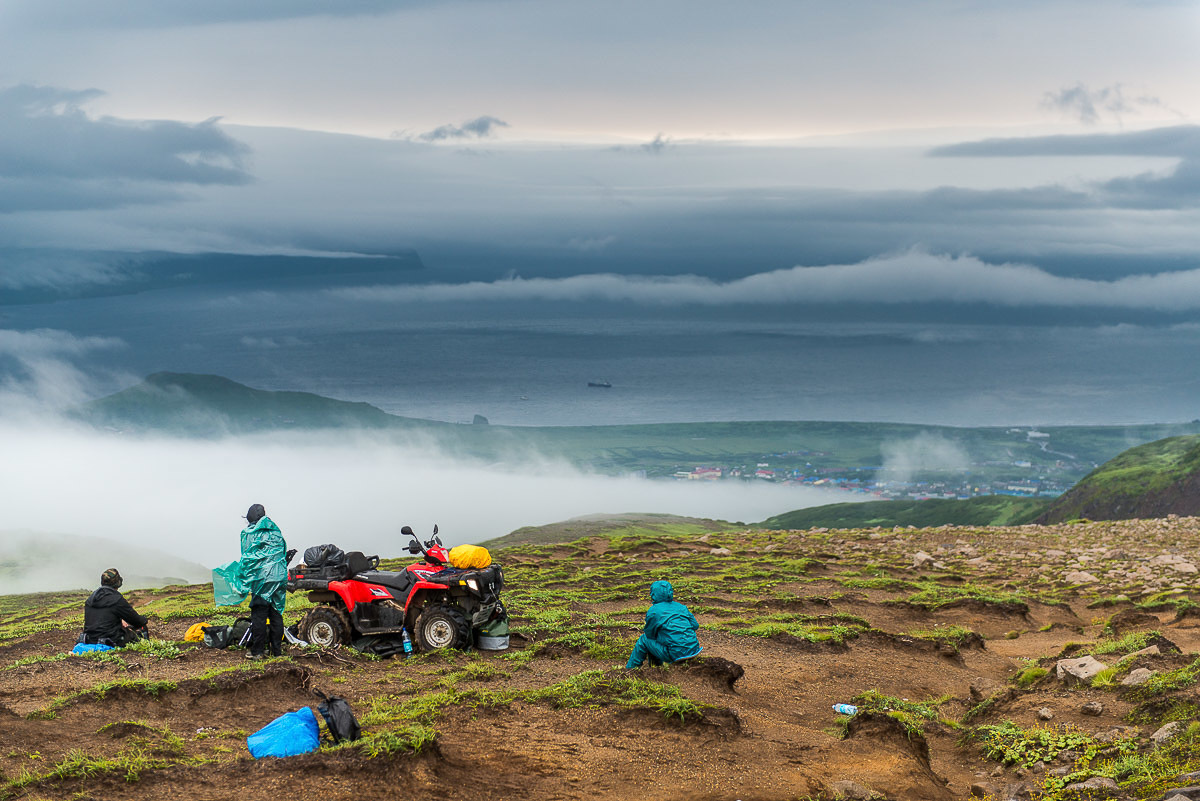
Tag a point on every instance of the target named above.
point(1019, 477)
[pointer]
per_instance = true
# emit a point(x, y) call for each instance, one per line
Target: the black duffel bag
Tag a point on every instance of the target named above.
point(319, 555)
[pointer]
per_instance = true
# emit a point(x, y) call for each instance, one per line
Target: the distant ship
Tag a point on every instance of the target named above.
point(604, 384)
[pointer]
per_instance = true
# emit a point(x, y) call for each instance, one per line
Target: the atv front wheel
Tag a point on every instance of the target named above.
point(443, 626)
point(326, 627)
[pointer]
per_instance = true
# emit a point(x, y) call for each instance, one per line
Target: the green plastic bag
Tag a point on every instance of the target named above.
point(229, 588)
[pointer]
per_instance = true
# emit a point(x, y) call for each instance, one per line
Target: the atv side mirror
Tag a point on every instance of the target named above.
point(291, 554)
point(435, 529)
point(407, 531)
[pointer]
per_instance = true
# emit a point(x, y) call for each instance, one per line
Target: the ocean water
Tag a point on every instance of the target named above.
point(530, 365)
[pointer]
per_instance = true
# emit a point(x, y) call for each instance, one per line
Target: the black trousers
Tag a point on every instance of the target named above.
point(266, 627)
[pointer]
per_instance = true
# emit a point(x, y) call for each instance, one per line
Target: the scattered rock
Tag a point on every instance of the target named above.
point(921, 559)
point(982, 688)
point(1067, 757)
point(1167, 732)
point(1079, 670)
point(1045, 713)
point(1092, 708)
point(1184, 793)
point(852, 791)
point(1094, 783)
point(1150, 650)
point(1136, 677)
point(983, 789)
point(1017, 791)
point(1112, 735)
point(721, 552)
point(1080, 577)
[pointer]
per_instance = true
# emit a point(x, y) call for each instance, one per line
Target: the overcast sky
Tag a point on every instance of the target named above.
point(662, 138)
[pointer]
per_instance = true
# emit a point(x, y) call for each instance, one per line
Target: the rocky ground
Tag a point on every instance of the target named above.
point(1056, 662)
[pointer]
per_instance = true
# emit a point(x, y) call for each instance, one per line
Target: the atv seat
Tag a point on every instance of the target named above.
point(401, 580)
point(357, 563)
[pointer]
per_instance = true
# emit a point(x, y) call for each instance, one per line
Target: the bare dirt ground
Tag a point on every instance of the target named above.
point(792, 622)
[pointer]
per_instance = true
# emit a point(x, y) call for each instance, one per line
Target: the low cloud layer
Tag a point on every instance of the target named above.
point(54, 155)
point(186, 497)
point(904, 460)
point(913, 277)
point(38, 370)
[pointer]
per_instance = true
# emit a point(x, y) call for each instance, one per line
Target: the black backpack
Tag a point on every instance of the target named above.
point(228, 636)
point(339, 718)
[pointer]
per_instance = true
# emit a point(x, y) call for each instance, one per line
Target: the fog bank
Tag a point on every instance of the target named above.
point(355, 489)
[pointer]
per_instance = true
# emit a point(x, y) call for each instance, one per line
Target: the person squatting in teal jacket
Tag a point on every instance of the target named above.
point(670, 633)
point(264, 568)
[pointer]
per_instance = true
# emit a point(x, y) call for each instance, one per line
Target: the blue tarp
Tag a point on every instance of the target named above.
point(82, 648)
point(287, 735)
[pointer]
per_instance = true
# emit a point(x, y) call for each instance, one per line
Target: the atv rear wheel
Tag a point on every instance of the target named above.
point(325, 626)
point(443, 626)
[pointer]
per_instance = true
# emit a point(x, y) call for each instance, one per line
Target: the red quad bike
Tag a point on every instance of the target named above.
point(441, 605)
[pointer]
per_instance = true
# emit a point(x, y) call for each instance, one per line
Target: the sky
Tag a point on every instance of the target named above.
point(1020, 163)
point(961, 212)
point(663, 137)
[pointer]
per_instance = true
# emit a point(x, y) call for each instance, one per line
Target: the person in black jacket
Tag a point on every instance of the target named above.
point(108, 619)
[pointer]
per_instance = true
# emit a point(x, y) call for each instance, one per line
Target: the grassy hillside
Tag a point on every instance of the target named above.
point(948, 667)
point(631, 526)
point(1151, 480)
point(988, 510)
point(186, 403)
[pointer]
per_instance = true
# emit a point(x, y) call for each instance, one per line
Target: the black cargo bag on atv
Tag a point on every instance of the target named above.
point(339, 718)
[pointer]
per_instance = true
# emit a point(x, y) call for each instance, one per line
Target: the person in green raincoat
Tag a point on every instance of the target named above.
point(670, 633)
point(264, 571)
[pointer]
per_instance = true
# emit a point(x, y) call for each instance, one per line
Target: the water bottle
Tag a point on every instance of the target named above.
point(407, 642)
point(845, 709)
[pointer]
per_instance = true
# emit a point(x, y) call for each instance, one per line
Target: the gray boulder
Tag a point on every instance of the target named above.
point(1078, 671)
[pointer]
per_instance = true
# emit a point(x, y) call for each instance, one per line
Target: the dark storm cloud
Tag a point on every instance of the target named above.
point(173, 13)
point(478, 128)
point(54, 156)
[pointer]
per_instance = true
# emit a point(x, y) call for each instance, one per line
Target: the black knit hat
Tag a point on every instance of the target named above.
point(111, 578)
point(255, 513)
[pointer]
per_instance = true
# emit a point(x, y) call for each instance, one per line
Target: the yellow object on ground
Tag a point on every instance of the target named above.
point(195, 633)
point(470, 556)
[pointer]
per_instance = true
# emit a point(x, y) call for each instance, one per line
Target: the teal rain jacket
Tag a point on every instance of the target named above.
point(264, 563)
point(670, 624)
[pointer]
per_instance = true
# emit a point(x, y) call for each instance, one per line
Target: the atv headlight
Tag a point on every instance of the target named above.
point(473, 584)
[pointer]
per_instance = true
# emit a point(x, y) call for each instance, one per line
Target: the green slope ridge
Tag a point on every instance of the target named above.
point(1151, 480)
point(188, 403)
point(987, 510)
point(634, 526)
